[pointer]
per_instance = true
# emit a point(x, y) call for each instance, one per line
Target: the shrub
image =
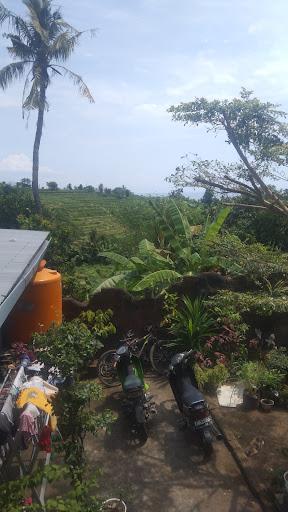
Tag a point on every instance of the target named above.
point(69, 347)
point(277, 359)
point(211, 378)
point(14, 202)
point(256, 376)
point(235, 304)
point(99, 322)
point(255, 261)
point(191, 325)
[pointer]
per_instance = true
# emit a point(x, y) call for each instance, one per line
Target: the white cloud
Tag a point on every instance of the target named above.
point(15, 162)
point(18, 165)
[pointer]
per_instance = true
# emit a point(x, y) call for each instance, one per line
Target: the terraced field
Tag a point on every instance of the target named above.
point(109, 215)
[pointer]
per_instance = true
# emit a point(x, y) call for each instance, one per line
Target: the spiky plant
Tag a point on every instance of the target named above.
point(40, 44)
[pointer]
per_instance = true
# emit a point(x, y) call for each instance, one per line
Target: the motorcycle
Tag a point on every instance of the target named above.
point(191, 403)
point(138, 404)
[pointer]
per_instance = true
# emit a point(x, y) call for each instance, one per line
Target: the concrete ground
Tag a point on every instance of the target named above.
point(169, 472)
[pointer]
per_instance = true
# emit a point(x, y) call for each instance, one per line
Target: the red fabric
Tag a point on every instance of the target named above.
point(45, 440)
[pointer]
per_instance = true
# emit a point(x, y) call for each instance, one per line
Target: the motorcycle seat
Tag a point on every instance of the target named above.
point(132, 382)
point(190, 394)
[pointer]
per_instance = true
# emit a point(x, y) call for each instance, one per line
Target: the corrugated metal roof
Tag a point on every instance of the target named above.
point(20, 253)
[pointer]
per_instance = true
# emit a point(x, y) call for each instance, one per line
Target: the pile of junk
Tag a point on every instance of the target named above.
point(28, 425)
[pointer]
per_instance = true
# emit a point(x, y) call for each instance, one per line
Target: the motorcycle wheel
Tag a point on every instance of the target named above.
point(106, 371)
point(160, 357)
point(207, 442)
point(142, 431)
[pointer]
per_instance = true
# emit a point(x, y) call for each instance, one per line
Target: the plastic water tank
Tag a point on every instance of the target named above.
point(38, 308)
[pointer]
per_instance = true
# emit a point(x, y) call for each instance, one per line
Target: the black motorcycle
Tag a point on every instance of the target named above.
point(138, 404)
point(191, 403)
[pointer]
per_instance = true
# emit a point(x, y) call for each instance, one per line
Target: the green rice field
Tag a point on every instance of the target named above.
point(110, 216)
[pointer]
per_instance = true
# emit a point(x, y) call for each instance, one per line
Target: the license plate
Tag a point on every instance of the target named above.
point(200, 423)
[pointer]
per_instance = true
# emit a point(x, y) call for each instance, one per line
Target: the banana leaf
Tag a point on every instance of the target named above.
point(160, 278)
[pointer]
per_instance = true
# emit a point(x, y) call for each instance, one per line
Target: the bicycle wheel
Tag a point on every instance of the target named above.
point(107, 372)
point(160, 356)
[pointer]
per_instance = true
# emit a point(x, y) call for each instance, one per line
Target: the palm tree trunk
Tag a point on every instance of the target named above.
point(38, 135)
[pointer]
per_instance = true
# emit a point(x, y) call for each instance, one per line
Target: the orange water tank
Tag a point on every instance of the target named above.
point(38, 307)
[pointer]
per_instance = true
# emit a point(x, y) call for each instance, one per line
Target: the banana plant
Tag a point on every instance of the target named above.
point(153, 269)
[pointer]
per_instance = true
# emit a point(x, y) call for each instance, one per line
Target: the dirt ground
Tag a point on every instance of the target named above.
point(169, 472)
point(261, 440)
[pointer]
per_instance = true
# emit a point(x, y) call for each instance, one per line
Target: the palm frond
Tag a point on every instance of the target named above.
point(19, 49)
point(16, 22)
point(77, 80)
point(37, 17)
point(32, 100)
point(64, 45)
point(12, 72)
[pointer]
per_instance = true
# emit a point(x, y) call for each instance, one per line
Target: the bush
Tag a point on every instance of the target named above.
point(69, 347)
point(255, 261)
point(277, 359)
point(234, 304)
point(210, 379)
point(14, 202)
point(256, 376)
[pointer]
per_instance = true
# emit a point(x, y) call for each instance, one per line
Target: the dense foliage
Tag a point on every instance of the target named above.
point(181, 250)
point(258, 133)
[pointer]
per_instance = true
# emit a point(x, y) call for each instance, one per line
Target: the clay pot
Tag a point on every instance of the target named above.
point(250, 401)
point(267, 404)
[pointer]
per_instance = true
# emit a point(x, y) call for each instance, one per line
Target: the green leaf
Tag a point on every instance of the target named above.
point(146, 247)
point(178, 221)
point(118, 258)
point(111, 282)
point(160, 278)
point(214, 228)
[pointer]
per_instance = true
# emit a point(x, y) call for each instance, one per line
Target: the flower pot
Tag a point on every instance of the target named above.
point(267, 404)
point(115, 505)
point(250, 401)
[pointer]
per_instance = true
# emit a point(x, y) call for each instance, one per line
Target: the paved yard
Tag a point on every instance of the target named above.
point(168, 473)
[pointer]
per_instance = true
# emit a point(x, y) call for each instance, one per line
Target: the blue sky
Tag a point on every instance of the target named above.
point(147, 55)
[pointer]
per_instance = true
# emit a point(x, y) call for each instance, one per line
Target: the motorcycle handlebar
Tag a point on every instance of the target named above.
point(189, 353)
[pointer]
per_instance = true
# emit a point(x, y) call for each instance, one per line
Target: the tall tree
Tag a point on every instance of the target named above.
point(39, 45)
point(258, 133)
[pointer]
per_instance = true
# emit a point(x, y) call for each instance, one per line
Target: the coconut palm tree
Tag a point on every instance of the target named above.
point(39, 46)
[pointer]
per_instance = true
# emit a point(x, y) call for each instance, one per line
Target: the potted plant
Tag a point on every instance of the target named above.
point(260, 382)
point(251, 375)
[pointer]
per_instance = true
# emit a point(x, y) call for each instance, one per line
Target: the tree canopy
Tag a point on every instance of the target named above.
point(259, 134)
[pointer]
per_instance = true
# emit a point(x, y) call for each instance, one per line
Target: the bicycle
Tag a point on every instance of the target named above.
point(148, 348)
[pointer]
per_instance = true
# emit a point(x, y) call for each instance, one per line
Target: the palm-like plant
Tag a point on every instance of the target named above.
point(191, 325)
point(40, 44)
